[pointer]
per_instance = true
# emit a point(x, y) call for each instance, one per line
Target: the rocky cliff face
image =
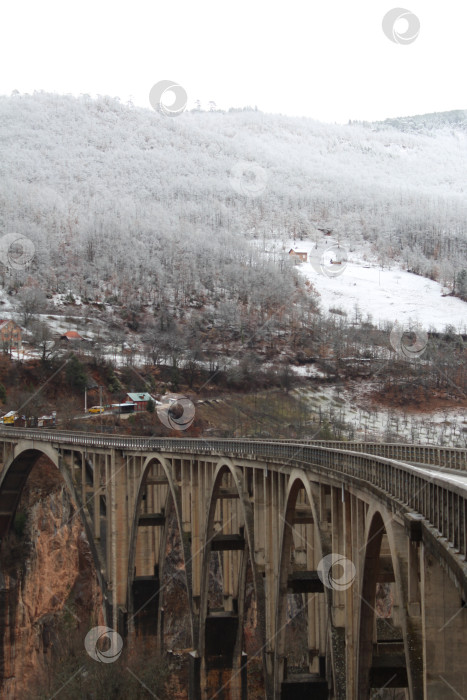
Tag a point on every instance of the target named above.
point(48, 588)
point(47, 583)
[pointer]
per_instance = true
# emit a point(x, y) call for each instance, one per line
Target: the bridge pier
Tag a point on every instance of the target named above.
point(300, 672)
point(444, 618)
point(228, 535)
point(390, 643)
point(223, 668)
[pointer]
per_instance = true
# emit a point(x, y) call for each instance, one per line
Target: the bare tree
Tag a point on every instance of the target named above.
point(31, 302)
point(42, 337)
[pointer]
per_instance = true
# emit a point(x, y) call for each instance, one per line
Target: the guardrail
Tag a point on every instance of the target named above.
point(449, 457)
point(441, 502)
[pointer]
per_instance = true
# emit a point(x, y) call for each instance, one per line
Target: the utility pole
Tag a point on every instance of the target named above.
point(100, 403)
point(85, 399)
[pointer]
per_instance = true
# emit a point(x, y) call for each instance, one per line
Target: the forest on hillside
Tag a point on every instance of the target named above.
point(126, 204)
point(164, 242)
point(167, 238)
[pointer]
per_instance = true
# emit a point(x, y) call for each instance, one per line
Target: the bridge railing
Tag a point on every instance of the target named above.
point(439, 499)
point(450, 457)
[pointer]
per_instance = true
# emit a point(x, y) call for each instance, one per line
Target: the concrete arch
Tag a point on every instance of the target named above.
point(298, 481)
point(378, 523)
point(226, 465)
point(14, 475)
point(173, 493)
point(13, 478)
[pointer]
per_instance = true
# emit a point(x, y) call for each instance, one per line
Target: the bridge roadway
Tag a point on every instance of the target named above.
point(390, 519)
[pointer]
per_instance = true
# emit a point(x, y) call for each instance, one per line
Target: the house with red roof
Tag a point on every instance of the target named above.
point(71, 336)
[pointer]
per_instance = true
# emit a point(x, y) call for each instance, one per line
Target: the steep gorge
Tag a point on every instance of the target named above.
point(47, 583)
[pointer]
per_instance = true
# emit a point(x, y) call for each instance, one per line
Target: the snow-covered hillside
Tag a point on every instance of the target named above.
point(130, 204)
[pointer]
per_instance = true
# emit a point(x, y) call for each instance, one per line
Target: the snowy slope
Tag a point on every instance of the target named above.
point(387, 295)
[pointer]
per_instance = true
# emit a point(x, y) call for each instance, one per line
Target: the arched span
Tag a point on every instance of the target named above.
point(379, 523)
point(13, 478)
point(225, 465)
point(174, 493)
point(298, 481)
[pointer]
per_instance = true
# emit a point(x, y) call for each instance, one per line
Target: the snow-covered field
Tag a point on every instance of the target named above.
point(363, 290)
point(360, 422)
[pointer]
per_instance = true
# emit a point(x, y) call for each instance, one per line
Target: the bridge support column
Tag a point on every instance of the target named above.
point(408, 560)
point(222, 671)
point(444, 633)
point(272, 524)
point(119, 534)
point(336, 597)
point(198, 506)
point(350, 524)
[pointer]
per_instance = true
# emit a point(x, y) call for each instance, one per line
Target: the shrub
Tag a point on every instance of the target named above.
point(19, 523)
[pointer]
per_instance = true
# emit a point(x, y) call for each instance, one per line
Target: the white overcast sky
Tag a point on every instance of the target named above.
point(328, 60)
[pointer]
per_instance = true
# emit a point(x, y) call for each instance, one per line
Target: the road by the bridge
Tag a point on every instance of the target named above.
point(451, 475)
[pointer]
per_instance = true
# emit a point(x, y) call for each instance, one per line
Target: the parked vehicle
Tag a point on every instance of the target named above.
point(10, 418)
point(96, 409)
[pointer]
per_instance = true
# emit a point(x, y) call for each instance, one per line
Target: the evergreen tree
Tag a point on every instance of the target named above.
point(76, 374)
point(462, 284)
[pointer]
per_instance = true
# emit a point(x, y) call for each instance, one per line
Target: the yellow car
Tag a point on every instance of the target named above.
point(96, 409)
point(9, 418)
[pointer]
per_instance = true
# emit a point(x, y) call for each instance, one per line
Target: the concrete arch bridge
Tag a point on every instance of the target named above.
point(364, 543)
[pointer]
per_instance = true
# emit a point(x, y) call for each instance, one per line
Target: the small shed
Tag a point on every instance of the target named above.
point(302, 256)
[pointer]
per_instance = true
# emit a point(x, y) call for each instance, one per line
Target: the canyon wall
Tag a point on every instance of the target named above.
point(47, 583)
